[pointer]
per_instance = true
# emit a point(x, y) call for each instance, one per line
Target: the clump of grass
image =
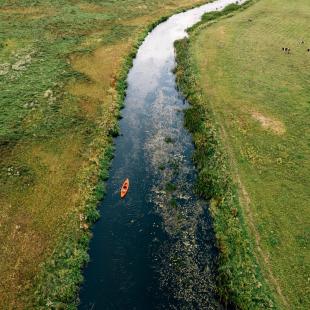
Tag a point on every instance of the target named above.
point(173, 202)
point(170, 187)
point(240, 280)
point(174, 165)
point(118, 33)
point(114, 131)
point(169, 140)
point(162, 167)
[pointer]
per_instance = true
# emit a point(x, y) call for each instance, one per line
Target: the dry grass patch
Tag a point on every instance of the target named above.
point(98, 93)
point(29, 12)
point(92, 7)
point(268, 123)
point(31, 226)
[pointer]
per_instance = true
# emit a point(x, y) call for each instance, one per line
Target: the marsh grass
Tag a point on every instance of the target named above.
point(170, 187)
point(169, 140)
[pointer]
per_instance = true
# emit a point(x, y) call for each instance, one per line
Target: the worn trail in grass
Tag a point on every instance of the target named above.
point(259, 96)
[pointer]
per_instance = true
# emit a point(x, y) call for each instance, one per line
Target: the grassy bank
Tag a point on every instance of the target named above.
point(249, 115)
point(62, 82)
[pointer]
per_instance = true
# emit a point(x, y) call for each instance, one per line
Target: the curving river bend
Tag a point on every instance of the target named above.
point(154, 249)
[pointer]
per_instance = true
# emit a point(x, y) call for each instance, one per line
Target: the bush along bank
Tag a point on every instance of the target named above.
point(57, 284)
point(240, 280)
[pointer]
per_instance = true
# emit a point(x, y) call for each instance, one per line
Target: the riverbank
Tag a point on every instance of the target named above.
point(60, 101)
point(250, 155)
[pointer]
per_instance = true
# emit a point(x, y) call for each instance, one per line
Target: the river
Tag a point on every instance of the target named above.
point(155, 249)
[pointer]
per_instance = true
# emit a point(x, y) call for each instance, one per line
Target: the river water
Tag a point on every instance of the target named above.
point(154, 249)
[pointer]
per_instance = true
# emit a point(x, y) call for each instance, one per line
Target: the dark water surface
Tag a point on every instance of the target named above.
point(154, 249)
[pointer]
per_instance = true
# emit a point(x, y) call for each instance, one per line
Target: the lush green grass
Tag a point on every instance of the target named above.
point(254, 107)
point(63, 66)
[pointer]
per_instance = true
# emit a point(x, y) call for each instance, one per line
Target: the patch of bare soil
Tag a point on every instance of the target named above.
point(269, 123)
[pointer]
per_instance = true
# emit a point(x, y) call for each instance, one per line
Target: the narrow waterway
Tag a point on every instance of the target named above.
point(154, 249)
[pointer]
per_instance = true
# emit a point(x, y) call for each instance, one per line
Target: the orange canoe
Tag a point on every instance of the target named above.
point(125, 188)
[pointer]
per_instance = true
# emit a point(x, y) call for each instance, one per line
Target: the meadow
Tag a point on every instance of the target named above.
point(62, 80)
point(250, 122)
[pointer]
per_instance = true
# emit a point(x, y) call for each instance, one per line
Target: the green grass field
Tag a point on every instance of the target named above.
point(259, 97)
point(59, 64)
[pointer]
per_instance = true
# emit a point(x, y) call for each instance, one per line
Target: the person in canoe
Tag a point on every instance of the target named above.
point(125, 188)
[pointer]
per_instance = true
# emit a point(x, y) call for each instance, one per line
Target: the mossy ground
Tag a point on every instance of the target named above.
point(252, 100)
point(61, 87)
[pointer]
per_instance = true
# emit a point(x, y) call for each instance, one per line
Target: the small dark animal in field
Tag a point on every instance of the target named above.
point(286, 50)
point(308, 50)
